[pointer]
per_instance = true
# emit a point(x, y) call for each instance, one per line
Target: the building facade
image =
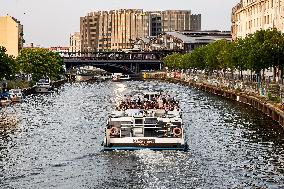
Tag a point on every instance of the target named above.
point(118, 29)
point(75, 42)
point(249, 16)
point(11, 35)
point(115, 29)
point(195, 22)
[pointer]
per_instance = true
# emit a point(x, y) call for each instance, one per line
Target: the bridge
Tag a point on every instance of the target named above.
point(116, 62)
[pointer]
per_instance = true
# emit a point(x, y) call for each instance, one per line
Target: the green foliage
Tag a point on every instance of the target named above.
point(18, 84)
point(198, 58)
point(276, 99)
point(173, 61)
point(240, 54)
point(41, 63)
point(8, 66)
point(256, 52)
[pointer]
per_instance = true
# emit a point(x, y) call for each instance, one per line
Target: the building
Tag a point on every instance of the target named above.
point(11, 35)
point(32, 46)
point(75, 42)
point(195, 22)
point(173, 20)
point(115, 29)
point(249, 16)
point(185, 41)
point(118, 29)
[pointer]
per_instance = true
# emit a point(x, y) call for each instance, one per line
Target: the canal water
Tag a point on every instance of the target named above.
point(56, 143)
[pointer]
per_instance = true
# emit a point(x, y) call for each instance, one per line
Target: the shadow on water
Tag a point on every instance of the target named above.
point(56, 143)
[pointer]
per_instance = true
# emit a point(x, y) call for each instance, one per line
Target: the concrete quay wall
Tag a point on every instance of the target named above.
point(258, 103)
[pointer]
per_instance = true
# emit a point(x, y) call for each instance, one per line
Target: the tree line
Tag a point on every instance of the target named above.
point(256, 52)
point(38, 62)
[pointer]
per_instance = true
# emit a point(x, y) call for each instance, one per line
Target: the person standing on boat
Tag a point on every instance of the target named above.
point(4, 86)
point(160, 103)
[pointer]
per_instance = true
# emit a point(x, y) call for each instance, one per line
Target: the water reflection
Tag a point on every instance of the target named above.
point(56, 143)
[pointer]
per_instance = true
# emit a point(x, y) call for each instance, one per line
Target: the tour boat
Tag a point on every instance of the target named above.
point(120, 77)
point(16, 95)
point(142, 128)
point(43, 86)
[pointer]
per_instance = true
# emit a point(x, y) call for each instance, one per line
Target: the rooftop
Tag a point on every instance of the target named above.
point(200, 37)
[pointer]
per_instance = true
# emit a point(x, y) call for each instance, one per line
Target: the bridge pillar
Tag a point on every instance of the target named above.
point(137, 68)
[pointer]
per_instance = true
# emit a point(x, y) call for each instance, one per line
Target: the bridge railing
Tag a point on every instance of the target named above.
point(113, 56)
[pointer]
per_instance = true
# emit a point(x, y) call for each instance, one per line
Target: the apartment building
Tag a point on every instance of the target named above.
point(118, 29)
point(112, 30)
point(195, 22)
point(11, 35)
point(75, 42)
point(249, 16)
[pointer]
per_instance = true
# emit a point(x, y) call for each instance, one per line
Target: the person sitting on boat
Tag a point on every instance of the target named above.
point(160, 103)
point(176, 108)
point(139, 101)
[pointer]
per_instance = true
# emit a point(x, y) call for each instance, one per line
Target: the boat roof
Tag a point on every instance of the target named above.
point(15, 90)
point(43, 80)
point(124, 118)
point(151, 93)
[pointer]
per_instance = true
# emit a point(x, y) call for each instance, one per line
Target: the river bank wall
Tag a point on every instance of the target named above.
point(260, 103)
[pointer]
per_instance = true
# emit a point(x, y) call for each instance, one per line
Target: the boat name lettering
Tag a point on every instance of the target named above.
point(144, 141)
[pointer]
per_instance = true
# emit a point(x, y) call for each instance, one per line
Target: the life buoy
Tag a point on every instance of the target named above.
point(177, 132)
point(114, 131)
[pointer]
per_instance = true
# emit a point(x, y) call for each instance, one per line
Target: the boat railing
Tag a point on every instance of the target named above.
point(149, 125)
point(159, 127)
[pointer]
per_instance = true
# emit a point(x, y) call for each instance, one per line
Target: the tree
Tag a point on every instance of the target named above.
point(40, 63)
point(240, 61)
point(186, 61)
point(198, 58)
point(215, 55)
point(173, 61)
point(256, 52)
point(8, 66)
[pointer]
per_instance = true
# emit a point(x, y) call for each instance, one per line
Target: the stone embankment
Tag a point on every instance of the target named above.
point(270, 108)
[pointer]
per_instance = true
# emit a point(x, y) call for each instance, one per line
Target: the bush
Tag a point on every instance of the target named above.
point(18, 84)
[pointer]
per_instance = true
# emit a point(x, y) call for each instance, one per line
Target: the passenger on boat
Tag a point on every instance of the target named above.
point(160, 102)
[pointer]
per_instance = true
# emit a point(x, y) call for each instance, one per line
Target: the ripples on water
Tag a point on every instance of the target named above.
point(56, 143)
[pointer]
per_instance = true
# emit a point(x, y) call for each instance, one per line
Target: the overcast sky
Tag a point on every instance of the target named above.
point(50, 22)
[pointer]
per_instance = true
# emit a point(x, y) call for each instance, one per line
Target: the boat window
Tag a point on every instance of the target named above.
point(138, 121)
point(125, 132)
point(176, 123)
point(150, 120)
point(118, 123)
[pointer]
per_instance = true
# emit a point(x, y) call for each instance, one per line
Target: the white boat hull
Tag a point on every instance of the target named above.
point(152, 143)
point(39, 89)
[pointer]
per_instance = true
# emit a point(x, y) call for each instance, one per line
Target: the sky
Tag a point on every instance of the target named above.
point(50, 22)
